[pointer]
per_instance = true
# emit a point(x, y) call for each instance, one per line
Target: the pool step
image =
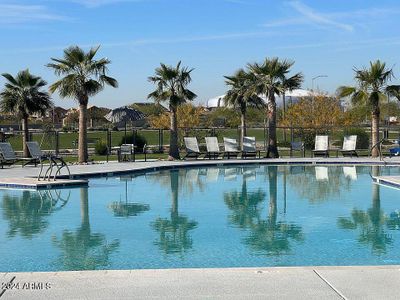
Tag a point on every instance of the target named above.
point(392, 181)
point(34, 184)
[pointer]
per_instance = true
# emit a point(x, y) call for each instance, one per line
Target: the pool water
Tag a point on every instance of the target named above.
point(233, 216)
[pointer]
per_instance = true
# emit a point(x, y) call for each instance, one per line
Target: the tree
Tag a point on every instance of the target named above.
point(22, 96)
point(372, 88)
point(320, 111)
point(84, 77)
point(171, 83)
point(271, 76)
point(239, 97)
point(188, 116)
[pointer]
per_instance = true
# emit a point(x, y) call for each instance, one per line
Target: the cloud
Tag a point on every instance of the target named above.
point(307, 15)
point(158, 41)
point(18, 13)
point(97, 3)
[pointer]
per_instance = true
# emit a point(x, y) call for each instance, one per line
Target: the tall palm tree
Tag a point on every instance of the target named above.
point(239, 98)
point(372, 88)
point(271, 75)
point(22, 95)
point(172, 85)
point(84, 77)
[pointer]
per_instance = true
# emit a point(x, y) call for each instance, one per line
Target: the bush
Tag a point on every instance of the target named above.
point(101, 148)
point(362, 137)
point(140, 141)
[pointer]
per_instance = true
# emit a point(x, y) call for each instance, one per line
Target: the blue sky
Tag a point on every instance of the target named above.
point(216, 37)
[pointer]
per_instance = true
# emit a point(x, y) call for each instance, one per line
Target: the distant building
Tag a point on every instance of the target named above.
point(290, 97)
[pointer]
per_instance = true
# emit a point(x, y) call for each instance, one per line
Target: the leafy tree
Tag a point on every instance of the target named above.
point(319, 111)
point(22, 96)
point(171, 83)
point(271, 76)
point(239, 97)
point(372, 88)
point(84, 77)
point(188, 116)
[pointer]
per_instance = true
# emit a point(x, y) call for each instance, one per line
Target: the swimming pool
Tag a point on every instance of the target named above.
point(232, 216)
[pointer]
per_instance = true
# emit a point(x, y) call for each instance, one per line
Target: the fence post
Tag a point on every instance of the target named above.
point(57, 133)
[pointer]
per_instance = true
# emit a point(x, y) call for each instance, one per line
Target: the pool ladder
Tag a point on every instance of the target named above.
point(56, 165)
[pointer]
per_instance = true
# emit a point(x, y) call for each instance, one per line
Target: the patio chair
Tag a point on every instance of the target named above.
point(212, 147)
point(37, 156)
point(249, 147)
point(192, 147)
point(7, 155)
point(349, 146)
point(297, 146)
point(126, 153)
point(231, 148)
point(321, 145)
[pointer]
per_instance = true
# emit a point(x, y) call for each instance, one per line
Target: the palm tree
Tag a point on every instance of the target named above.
point(271, 75)
point(371, 91)
point(239, 97)
point(84, 77)
point(172, 85)
point(22, 95)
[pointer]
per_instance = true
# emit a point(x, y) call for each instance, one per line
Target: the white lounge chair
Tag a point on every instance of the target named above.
point(349, 146)
point(231, 147)
point(250, 147)
point(192, 147)
point(321, 145)
point(212, 147)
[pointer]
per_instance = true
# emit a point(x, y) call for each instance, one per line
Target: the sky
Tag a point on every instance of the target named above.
point(215, 37)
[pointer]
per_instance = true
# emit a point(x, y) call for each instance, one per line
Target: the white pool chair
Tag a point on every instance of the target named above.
point(212, 147)
point(192, 147)
point(321, 145)
point(349, 146)
point(231, 148)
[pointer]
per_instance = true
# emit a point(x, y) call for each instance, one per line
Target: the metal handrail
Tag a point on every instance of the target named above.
point(55, 163)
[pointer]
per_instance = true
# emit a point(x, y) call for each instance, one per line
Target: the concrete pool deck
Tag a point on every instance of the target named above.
point(369, 282)
point(380, 282)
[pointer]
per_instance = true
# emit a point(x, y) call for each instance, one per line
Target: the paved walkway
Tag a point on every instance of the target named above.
point(260, 283)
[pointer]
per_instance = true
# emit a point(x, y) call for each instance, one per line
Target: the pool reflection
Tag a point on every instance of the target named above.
point(27, 213)
point(82, 249)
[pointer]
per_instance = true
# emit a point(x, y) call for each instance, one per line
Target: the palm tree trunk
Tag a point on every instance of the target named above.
point(272, 151)
point(242, 129)
point(375, 130)
point(284, 114)
point(25, 137)
point(82, 141)
point(173, 143)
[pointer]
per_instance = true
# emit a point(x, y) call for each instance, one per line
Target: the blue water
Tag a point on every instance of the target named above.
point(248, 216)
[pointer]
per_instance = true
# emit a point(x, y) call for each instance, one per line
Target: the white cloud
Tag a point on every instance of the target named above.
point(307, 15)
point(18, 13)
point(97, 3)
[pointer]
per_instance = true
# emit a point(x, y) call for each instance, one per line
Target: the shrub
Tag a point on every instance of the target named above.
point(139, 139)
point(362, 137)
point(101, 148)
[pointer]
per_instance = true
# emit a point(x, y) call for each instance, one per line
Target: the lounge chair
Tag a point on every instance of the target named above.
point(297, 146)
point(126, 153)
point(231, 147)
point(7, 155)
point(212, 147)
point(37, 156)
point(321, 145)
point(192, 147)
point(349, 146)
point(249, 147)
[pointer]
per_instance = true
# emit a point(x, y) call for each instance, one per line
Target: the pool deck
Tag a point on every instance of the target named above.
point(246, 283)
point(365, 282)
